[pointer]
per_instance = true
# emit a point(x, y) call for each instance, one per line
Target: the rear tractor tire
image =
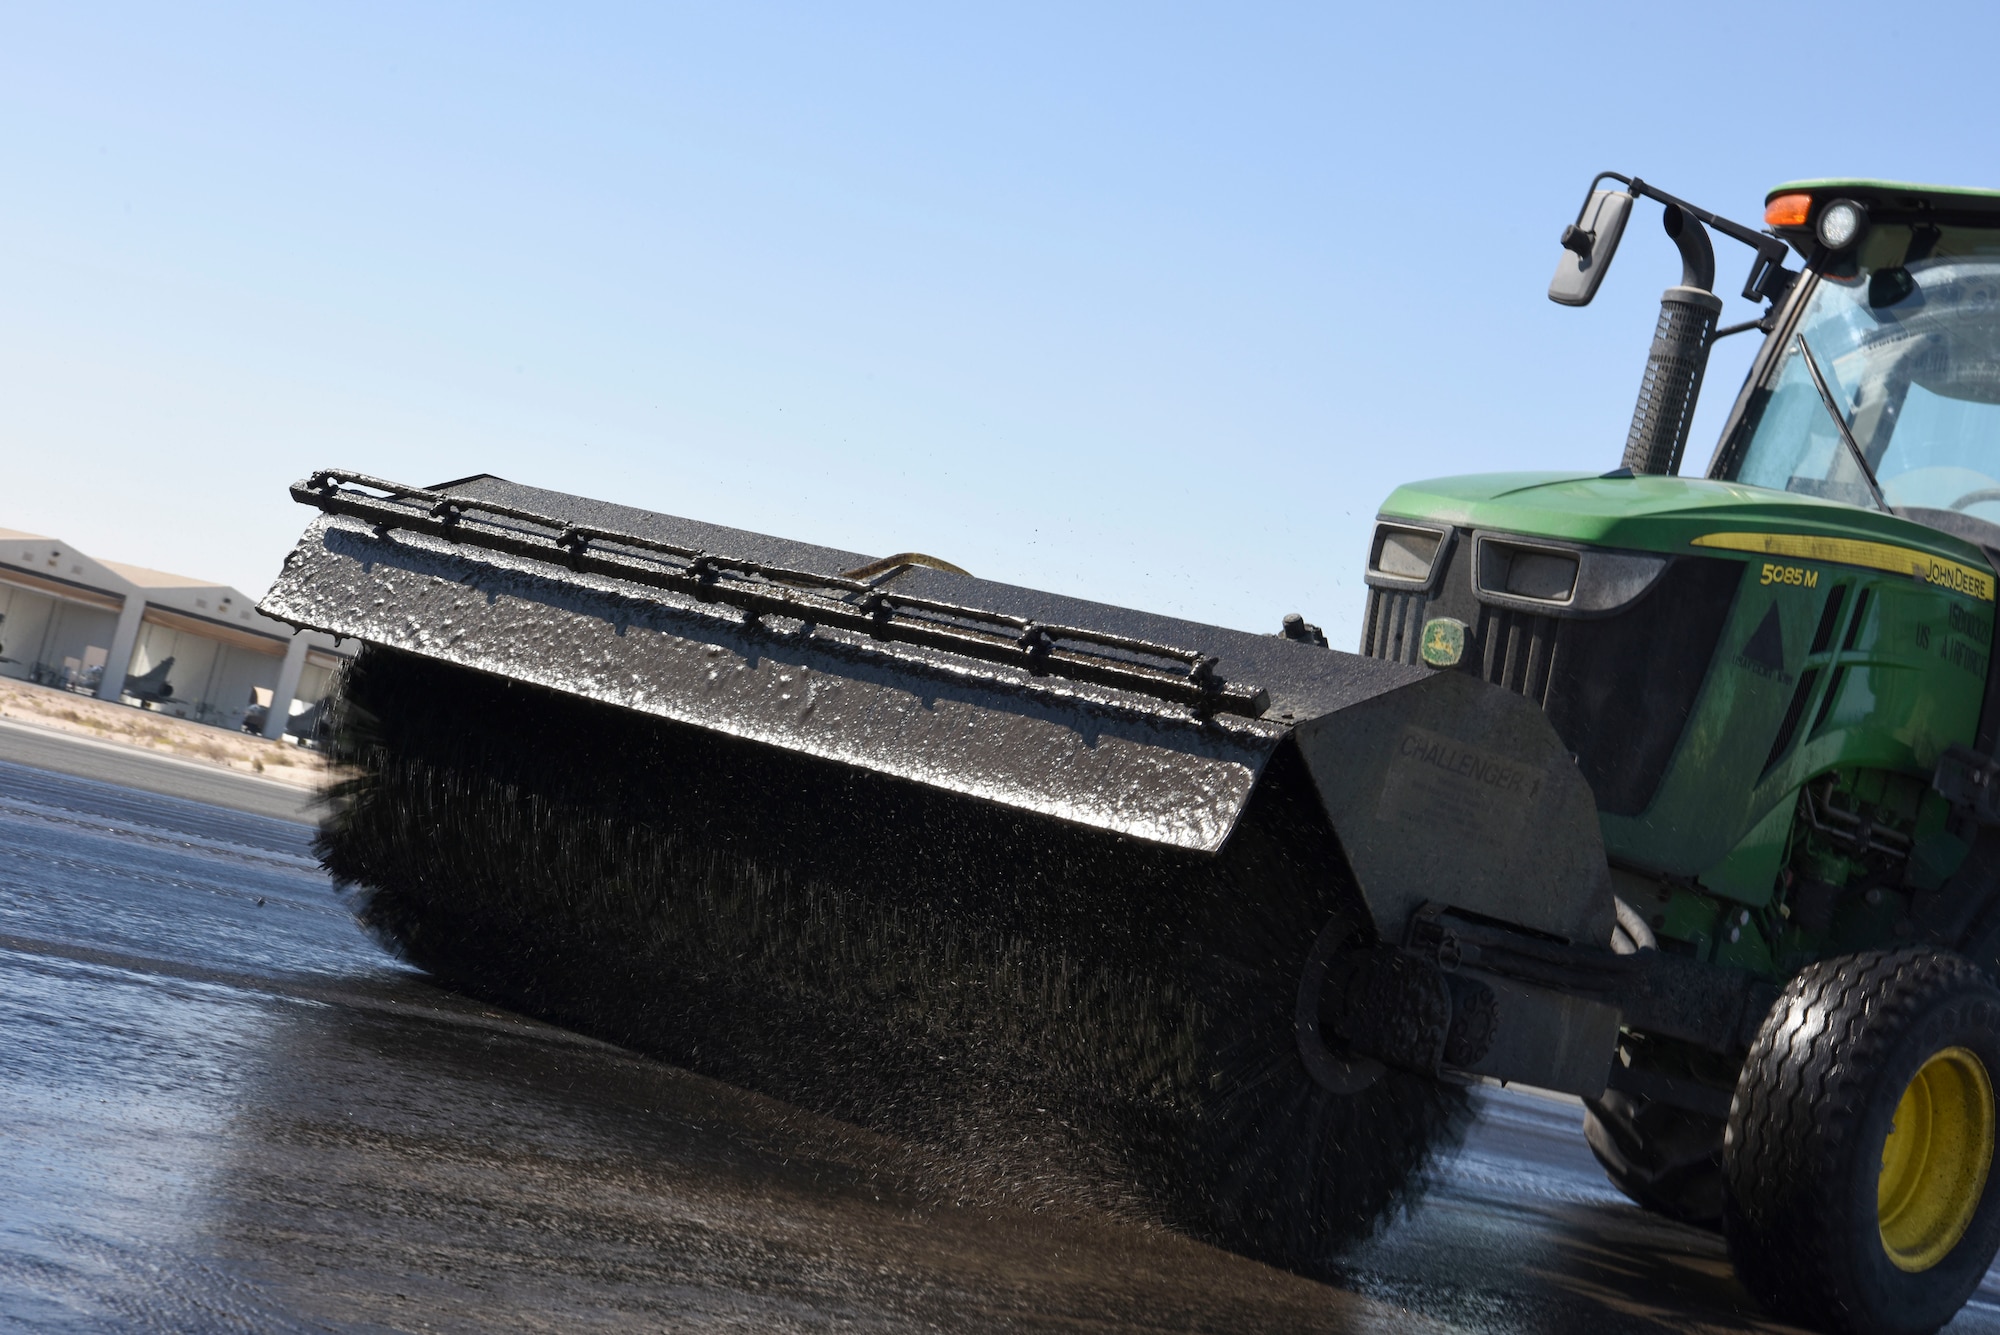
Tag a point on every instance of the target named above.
point(1858, 1195)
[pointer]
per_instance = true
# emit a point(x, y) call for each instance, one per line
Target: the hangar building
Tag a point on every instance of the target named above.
point(181, 646)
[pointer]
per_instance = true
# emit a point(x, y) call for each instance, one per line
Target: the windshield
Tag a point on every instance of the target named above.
point(1907, 337)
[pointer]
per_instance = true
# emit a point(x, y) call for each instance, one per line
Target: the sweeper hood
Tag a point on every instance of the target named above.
point(1439, 788)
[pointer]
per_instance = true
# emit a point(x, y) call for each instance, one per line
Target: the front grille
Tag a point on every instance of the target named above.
point(1618, 689)
point(1518, 651)
point(1395, 625)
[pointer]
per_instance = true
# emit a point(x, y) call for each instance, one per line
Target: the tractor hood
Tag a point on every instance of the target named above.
point(1682, 515)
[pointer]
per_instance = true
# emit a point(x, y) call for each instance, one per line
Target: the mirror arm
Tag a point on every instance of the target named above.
point(1574, 238)
point(1768, 276)
point(1591, 189)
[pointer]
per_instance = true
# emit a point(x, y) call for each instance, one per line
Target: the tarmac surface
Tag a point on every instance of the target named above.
point(171, 776)
point(222, 1108)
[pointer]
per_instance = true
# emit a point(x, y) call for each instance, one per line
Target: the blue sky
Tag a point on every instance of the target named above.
point(1152, 304)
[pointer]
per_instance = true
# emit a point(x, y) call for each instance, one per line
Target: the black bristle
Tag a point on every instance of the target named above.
point(1076, 1012)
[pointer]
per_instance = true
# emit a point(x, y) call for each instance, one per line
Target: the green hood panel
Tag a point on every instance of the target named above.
point(1657, 514)
point(1851, 640)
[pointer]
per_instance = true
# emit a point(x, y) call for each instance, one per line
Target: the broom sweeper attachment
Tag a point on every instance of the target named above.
point(1213, 925)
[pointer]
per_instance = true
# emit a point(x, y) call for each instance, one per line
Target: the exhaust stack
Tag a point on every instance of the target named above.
point(1679, 356)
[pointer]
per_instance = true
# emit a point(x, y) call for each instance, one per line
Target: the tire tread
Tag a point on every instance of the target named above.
point(1800, 1104)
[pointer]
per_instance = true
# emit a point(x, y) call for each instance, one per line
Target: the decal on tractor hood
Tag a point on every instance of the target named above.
point(1953, 575)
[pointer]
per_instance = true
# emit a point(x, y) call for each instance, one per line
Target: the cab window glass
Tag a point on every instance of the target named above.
point(1908, 341)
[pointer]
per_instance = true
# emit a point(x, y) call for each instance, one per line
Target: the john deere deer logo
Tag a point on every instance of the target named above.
point(1444, 641)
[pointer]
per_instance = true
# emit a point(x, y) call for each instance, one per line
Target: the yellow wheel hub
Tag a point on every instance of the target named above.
point(1935, 1161)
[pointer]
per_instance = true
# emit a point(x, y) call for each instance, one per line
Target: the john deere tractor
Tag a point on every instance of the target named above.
point(1779, 681)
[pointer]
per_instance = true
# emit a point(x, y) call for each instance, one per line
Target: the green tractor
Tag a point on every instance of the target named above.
point(1779, 680)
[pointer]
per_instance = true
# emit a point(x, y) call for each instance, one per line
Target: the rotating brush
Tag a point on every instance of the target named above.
point(1074, 1011)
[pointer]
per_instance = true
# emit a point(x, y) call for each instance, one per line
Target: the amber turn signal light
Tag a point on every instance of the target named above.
point(1787, 210)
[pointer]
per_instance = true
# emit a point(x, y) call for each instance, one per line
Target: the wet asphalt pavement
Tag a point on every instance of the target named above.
point(222, 1108)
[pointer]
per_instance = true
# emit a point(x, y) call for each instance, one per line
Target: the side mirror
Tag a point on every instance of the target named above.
point(1588, 245)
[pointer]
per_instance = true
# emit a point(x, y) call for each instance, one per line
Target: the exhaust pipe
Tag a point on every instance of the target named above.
point(1679, 356)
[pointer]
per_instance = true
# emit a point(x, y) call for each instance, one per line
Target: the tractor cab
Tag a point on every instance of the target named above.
point(1880, 383)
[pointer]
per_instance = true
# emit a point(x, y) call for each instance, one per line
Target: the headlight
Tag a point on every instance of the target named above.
point(1404, 552)
point(1538, 574)
point(1559, 580)
point(1841, 224)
